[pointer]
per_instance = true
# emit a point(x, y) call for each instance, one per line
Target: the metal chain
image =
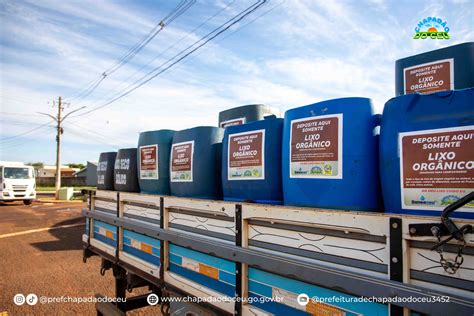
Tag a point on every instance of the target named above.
point(451, 266)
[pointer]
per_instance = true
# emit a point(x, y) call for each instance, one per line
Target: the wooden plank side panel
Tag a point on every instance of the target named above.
point(141, 206)
point(105, 205)
point(136, 211)
point(344, 247)
point(140, 198)
point(111, 195)
point(205, 224)
point(198, 205)
point(426, 260)
point(344, 221)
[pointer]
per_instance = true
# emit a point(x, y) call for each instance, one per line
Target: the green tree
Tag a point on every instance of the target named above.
point(76, 165)
point(36, 165)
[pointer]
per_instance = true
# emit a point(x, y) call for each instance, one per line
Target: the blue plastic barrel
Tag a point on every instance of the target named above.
point(195, 163)
point(251, 162)
point(330, 156)
point(105, 171)
point(125, 171)
point(246, 114)
point(443, 69)
point(153, 155)
point(427, 152)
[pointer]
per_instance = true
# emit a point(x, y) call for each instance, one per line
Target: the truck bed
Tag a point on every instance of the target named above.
point(254, 253)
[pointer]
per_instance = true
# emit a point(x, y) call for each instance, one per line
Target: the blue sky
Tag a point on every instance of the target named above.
point(300, 52)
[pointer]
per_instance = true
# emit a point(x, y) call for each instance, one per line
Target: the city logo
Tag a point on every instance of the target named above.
point(432, 27)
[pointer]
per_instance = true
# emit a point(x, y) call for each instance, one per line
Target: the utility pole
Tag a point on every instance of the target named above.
point(57, 182)
point(59, 121)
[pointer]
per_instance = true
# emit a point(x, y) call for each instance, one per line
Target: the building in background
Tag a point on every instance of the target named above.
point(89, 172)
point(50, 171)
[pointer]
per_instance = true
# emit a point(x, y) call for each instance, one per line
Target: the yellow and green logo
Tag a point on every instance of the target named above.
point(432, 27)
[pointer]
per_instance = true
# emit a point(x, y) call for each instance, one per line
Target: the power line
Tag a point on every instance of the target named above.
point(167, 49)
point(89, 131)
point(232, 33)
point(18, 122)
point(182, 7)
point(16, 99)
point(13, 123)
point(7, 139)
point(18, 114)
point(179, 10)
point(185, 53)
point(91, 136)
point(251, 21)
point(92, 86)
point(8, 146)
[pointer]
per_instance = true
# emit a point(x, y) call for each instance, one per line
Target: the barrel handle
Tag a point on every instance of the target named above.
point(376, 120)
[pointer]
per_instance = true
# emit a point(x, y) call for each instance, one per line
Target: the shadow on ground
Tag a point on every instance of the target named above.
point(3, 203)
point(68, 238)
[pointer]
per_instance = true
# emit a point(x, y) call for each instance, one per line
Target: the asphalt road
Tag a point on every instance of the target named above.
point(41, 253)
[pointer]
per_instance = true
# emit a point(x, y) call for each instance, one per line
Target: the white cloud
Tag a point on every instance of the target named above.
point(257, 90)
point(301, 53)
point(335, 78)
point(105, 13)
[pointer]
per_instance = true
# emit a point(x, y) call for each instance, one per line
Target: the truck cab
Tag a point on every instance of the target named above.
point(17, 182)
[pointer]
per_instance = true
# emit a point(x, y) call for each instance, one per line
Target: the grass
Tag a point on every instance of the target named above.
point(51, 189)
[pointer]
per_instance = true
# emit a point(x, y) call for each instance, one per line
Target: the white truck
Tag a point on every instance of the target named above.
point(17, 182)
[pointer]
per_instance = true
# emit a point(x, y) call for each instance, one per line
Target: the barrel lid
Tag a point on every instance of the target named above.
point(158, 131)
point(243, 107)
point(201, 127)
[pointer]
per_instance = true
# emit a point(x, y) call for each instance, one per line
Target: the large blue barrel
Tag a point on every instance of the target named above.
point(105, 171)
point(246, 114)
point(443, 69)
point(154, 149)
point(195, 164)
point(330, 155)
point(125, 171)
point(427, 152)
point(251, 162)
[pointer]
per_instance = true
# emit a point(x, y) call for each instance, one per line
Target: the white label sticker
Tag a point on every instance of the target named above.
point(136, 244)
point(316, 147)
point(190, 264)
point(237, 121)
point(148, 162)
point(181, 164)
point(287, 298)
point(430, 77)
point(436, 168)
point(246, 156)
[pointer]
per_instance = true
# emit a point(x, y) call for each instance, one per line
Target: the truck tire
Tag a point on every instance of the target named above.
point(27, 202)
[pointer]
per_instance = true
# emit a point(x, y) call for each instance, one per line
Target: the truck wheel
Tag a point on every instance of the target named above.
point(27, 202)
